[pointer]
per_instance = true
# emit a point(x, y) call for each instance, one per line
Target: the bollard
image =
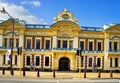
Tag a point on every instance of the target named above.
point(3, 71)
point(84, 74)
point(23, 71)
point(38, 73)
point(111, 75)
point(53, 73)
point(99, 74)
point(12, 72)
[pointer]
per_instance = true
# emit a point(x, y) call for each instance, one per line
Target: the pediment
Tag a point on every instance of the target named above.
point(9, 25)
point(65, 24)
point(113, 29)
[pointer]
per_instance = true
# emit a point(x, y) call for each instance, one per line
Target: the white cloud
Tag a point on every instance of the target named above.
point(19, 12)
point(35, 3)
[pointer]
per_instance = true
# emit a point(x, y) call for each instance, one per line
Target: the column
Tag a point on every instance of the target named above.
point(54, 42)
point(33, 58)
point(21, 41)
point(106, 48)
point(75, 42)
point(1, 40)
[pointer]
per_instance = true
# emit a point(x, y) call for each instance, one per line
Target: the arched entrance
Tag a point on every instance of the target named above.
point(64, 64)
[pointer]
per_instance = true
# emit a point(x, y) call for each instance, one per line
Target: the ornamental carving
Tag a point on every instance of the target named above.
point(63, 32)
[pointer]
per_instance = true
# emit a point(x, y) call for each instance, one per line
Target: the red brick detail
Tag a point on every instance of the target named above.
point(24, 42)
point(33, 58)
point(103, 45)
point(103, 62)
point(33, 42)
point(85, 62)
point(42, 42)
point(95, 45)
point(23, 60)
point(94, 60)
point(51, 61)
point(86, 44)
point(42, 60)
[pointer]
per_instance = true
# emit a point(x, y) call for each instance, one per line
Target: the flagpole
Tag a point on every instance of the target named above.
point(12, 39)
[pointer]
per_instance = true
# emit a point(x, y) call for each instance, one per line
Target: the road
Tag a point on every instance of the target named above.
point(43, 80)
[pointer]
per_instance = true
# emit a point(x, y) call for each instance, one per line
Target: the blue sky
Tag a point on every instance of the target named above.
point(94, 13)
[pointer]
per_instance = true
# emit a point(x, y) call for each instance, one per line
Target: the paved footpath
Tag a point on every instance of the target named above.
point(60, 75)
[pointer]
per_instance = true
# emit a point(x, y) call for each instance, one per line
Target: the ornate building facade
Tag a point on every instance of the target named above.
point(53, 47)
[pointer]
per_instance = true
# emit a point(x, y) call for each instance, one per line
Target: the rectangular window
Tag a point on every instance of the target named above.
point(82, 61)
point(82, 45)
point(71, 44)
point(110, 62)
point(28, 43)
point(110, 46)
point(28, 60)
point(90, 62)
point(37, 44)
point(15, 59)
point(99, 46)
point(37, 60)
point(5, 42)
point(116, 62)
point(10, 44)
point(58, 44)
point(64, 44)
point(115, 45)
point(46, 61)
point(17, 42)
point(4, 59)
point(98, 62)
point(90, 46)
point(47, 44)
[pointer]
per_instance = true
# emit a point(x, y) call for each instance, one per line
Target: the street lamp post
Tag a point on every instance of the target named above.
point(12, 39)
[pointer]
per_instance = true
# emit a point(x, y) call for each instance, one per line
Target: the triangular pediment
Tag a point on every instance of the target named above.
point(113, 29)
point(10, 23)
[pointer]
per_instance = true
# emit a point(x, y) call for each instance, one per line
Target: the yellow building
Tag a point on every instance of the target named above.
point(54, 46)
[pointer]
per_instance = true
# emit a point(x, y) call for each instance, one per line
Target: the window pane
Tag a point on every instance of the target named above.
point(90, 46)
point(116, 62)
point(37, 60)
point(28, 44)
point(4, 58)
point(37, 44)
point(58, 43)
point(115, 45)
point(110, 48)
point(71, 44)
point(17, 42)
point(82, 61)
point(28, 60)
point(98, 62)
point(90, 62)
point(64, 44)
point(99, 46)
point(5, 42)
point(15, 59)
point(110, 62)
point(47, 44)
point(82, 45)
point(46, 61)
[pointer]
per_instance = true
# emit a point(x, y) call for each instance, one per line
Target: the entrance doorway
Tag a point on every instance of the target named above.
point(64, 64)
